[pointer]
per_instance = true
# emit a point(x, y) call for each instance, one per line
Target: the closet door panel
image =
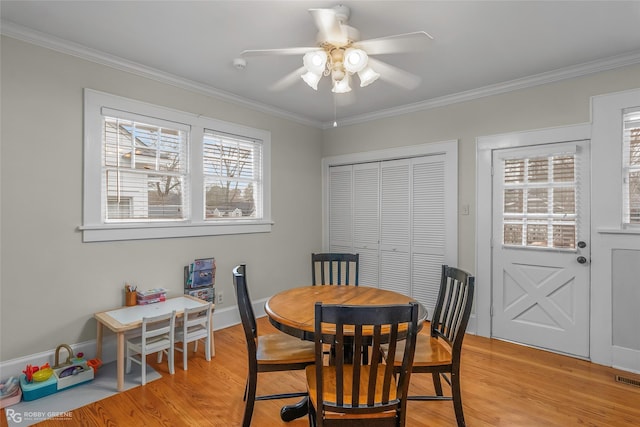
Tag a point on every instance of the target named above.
point(428, 228)
point(340, 208)
point(366, 220)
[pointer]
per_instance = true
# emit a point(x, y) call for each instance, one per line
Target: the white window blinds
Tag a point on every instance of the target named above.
point(232, 176)
point(631, 166)
point(144, 169)
point(540, 201)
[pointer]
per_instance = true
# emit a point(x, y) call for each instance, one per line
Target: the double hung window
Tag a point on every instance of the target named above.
point(631, 166)
point(153, 172)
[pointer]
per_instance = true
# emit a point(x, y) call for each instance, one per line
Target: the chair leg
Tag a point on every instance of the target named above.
point(437, 383)
point(128, 360)
point(171, 358)
point(184, 355)
point(143, 368)
point(457, 398)
point(250, 398)
point(207, 350)
point(160, 357)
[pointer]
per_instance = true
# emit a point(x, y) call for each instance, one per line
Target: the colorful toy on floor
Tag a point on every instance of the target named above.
point(72, 372)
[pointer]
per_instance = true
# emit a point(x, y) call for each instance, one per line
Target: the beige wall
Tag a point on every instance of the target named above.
point(557, 104)
point(51, 282)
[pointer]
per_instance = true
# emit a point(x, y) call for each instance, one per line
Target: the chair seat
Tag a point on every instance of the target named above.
point(194, 332)
point(153, 344)
point(329, 389)
point(282, 348)
point(429, 352)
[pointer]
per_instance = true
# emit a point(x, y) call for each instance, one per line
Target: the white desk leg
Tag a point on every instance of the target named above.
point(99, 340)
point(120, 361)
point(213, 347)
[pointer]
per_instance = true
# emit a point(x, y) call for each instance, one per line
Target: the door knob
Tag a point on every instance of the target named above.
point(581, 259)
point(582, 244)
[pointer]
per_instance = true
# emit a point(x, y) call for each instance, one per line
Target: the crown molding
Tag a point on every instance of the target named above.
point(28, 35)
point(25, 34)
point(499, 88)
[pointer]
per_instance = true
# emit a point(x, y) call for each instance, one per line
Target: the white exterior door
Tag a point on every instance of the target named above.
point(541, 247)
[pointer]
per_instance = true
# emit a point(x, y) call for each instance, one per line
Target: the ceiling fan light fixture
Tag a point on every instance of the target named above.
point(315, 61)
point(312, 79)
point(355, 60)
point(341, 86)
point(367, 76)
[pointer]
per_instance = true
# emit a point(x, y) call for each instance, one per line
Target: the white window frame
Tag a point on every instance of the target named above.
point(627, 167)
point(94, 227)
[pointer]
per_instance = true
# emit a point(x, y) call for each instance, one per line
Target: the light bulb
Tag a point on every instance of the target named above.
point(355, 60)
point(315, 61)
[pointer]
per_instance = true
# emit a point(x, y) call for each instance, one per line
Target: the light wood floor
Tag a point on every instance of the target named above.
point(503, 385)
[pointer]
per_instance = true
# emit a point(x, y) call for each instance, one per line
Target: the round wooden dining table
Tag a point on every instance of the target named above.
point(293, 311)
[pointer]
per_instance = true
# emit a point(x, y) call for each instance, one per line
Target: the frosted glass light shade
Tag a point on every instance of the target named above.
point(312, 79)
point(315, 61)
point(367, 76)
point(341, 86)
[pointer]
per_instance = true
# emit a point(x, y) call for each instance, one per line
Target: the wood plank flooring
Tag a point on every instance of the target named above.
point(503, 385)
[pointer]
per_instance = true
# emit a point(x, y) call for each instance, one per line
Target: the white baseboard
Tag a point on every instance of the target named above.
point(222, 318)
point(626, 359)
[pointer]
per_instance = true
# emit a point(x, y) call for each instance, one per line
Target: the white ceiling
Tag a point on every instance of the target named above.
point(479, 47)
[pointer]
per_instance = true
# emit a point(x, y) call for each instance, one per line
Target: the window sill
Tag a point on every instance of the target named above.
point(114, 232)
point(629, 231)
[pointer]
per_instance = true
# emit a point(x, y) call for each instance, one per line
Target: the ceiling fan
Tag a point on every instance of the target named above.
point(340, 54)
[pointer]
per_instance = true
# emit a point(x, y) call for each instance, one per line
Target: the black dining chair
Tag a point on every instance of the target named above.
point(438, 353)
point(334, 268)
point(357, 394)
point(266, 353)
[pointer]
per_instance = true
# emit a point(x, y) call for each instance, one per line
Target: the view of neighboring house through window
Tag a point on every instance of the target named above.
point(154, 172)
point(540, 202)
point(145, 168)
point(631, 166)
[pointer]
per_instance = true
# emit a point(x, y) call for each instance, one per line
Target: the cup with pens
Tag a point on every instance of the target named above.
point(129, 294)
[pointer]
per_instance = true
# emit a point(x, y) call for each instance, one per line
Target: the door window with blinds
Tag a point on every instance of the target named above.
point(540, 201)
point(153, 172)
point(631, 166)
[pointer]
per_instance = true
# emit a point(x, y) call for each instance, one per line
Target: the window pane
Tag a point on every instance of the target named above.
point(564, 200)
point(563, 169)
point(513, 201)
point(537, 200)
point(144, 171)
point(564, 236)
point(233, 176)
point(537, 234)
point(538, 170)
point(513, 171)
point(230, 199)
point(540, 196)
point(513, 234)
point(634, 197)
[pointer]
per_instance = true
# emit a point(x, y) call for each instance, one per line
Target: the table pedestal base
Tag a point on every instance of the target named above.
point(292, 412)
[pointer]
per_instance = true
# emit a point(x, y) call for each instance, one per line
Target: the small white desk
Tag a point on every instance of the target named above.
point(126, 319)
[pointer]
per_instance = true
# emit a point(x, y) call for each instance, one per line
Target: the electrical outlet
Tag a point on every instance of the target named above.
point(220, 298)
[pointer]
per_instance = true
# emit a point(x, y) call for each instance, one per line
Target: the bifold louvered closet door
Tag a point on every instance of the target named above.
point(393, 214)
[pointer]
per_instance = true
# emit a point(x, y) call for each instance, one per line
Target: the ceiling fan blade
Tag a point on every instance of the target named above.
point(330, 29)
point(282, 51)
point(288, 80)
point(395, 75)
point(394, 44)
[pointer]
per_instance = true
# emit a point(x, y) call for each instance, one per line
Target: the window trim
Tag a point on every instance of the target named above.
point(94, 228)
